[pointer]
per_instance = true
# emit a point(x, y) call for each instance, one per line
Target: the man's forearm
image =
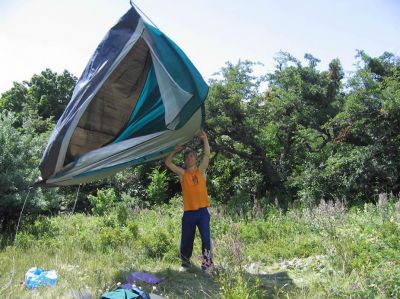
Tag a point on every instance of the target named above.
point(170, 157)
point(206, 146)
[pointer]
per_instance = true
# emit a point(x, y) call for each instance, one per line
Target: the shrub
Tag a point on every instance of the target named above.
point(156, 190)
point(157, 244)
point(122, 214)
point(25, 240)
point(103, 202)
point(87, 240)
point(133, 229)
point(111, 238)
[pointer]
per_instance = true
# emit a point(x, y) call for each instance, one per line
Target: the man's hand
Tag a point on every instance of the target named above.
point(178, 148)
point(206, 151)
point(202, 135)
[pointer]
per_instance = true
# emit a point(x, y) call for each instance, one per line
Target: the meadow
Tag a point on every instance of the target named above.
point(327, 251)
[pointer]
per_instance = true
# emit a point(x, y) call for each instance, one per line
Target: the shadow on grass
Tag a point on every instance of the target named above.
point(273, 285)
point(195, 283)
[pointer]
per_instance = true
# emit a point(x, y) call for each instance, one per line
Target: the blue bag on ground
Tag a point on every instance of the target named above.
point(36, 277)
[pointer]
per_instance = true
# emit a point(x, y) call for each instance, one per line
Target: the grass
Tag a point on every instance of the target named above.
point(328, 251)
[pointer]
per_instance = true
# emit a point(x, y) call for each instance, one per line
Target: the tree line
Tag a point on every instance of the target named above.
point(310, 135)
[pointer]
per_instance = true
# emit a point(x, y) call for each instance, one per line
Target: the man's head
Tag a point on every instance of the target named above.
point(189, 157)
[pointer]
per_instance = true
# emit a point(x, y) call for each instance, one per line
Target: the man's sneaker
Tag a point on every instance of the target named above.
point(186, 264)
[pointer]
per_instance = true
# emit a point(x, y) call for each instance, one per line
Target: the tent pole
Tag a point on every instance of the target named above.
point(76, 199)
point(137, 7)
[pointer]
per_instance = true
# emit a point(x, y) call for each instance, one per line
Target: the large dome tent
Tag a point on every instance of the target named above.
point(138, 97)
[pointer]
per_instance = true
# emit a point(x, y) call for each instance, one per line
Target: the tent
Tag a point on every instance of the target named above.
point(138, 97)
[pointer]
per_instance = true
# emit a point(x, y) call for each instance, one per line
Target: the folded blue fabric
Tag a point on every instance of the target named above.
point(135, 277)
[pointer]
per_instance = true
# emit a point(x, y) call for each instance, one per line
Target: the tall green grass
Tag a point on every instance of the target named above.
point(328, 251)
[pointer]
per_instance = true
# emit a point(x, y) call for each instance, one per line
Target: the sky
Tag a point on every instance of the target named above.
point(40, 34)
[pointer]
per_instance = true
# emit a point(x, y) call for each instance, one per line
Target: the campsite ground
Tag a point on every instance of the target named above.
point(329, 251)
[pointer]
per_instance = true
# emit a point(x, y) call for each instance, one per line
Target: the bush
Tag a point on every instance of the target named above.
point(156, 190)
point(157, 244)
point(133, 229)
point(112, 238)
point(122, 214)
point(87, 240)
point(25, 240)
point(103, 202)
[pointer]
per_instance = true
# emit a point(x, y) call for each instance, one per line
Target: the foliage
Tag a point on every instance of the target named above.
point(157, 244)
point(103, 201)
point(156, 188)
point(234, 120)
point(310, 135)
point(268, 134)
point(362, 158)
point(15, 98)
point(46, 93)
point(20, 150)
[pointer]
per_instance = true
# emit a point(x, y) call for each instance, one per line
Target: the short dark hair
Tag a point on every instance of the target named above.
point(188, 151)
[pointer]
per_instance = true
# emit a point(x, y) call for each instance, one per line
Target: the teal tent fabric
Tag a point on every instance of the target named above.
point(133, 293)
point(148, 116)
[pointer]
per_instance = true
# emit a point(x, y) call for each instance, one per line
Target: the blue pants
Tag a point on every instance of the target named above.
point(191, 219)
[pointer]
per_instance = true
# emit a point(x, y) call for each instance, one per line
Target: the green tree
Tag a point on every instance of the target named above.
point(20, 151)
point(234, 122)
point(370, 121)
point(46, 94)
point(49, 93)
point(362, 158)
point(299, 101)
point(15, 98)
point(268, 136)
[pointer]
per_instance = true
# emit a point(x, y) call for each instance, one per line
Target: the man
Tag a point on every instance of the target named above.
point(195, 201)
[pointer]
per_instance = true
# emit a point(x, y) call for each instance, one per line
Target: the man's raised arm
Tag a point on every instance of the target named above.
point(168, 161)
point(206, 151)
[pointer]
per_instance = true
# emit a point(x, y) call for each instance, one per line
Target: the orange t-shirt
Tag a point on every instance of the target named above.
point(194, 190)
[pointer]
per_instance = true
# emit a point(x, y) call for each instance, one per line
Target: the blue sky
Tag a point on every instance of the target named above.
point(39, 34)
